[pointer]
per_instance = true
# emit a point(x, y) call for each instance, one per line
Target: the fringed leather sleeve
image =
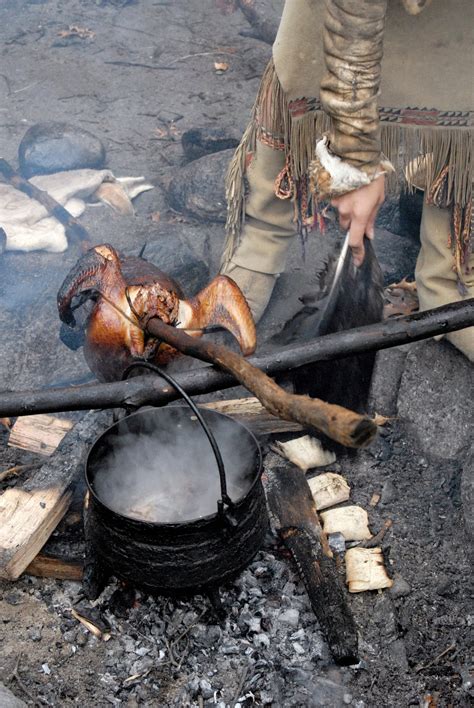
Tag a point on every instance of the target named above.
point(353, 45)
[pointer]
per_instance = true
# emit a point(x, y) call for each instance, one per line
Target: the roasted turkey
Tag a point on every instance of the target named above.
point(127, 291)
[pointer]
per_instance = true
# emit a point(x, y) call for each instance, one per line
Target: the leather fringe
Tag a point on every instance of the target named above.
point(295, 127)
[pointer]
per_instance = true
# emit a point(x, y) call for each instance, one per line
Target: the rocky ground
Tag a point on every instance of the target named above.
point(415, 639)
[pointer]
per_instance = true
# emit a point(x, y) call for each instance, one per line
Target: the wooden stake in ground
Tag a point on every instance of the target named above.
point(294, 518)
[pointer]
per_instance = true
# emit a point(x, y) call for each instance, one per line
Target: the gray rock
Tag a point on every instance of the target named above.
point(198, 188)
point(290, 617)
point(389, 365)
point(54, 147)
point(435, 398)
point(389, 492)
point(261, 640)
point(398, 654)
point(444, 585)
point(81, 639)
point(206, 689)
point(400, 587)
point(8, 699)
point(35, 634)
point(172, 254)
point(326, 693)
point(397, 255)
point(337, 542)
point(70, 636)
point(198, 142)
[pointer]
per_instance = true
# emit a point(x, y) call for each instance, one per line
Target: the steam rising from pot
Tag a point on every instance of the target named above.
point(171, 476)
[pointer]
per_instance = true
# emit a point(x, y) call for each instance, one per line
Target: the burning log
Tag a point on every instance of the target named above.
point(294, 517)
point(145, 390)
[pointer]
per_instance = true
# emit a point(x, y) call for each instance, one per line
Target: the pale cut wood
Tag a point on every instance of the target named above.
point(39, 433)
point(251, 413)
point(28, 515)
point(27, 520)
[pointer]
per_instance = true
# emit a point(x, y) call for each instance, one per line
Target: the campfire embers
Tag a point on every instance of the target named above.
point(190, 541)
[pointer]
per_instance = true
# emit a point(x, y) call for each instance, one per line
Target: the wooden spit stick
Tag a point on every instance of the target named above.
point(338, 423)
point(153, 391)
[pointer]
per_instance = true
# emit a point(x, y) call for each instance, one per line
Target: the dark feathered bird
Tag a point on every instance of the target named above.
point(356, 300)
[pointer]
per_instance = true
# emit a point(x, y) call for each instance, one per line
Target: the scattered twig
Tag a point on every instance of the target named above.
point(449, 649)
point(200, 54)
point(137, 64)
point(7, 83)
point(378, 538)
point(16, 676)
point(17, 470)
point(240, 685)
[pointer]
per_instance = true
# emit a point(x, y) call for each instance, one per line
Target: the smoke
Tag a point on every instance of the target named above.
point(171, 475)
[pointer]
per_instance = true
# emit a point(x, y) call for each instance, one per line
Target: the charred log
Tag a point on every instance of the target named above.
point(294, 517)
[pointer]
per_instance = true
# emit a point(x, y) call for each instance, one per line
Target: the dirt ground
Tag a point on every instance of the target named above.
point(415, 639)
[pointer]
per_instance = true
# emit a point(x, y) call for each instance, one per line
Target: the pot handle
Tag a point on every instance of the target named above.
point(225, 503)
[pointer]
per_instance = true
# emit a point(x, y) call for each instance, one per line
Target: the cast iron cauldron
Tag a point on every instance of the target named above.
point(167, 558)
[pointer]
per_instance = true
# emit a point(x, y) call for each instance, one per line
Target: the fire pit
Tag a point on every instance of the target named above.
point(165, 510)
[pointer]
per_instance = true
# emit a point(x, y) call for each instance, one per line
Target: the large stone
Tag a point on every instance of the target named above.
point(171, 254)
point(8, 699)
point(199, 142)
point(54, 147)
point(198, 188)
point(435, 398)
point(397, 256)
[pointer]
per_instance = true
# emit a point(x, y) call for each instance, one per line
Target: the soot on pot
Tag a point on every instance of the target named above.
point(172, 477)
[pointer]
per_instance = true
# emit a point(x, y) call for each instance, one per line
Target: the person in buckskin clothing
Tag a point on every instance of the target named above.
point(358, 94)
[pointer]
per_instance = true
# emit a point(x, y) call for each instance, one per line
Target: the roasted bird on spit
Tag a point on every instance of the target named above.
point(127, 291)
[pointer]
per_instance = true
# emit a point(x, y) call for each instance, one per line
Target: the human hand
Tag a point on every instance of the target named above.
point(357, 212)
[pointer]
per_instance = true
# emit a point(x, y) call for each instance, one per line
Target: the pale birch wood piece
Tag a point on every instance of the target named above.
point(329, 489)
point(27, 519)
point(305, 452)
point(351, 521)
point(365, 570)
point(251, 413)
point(40, 434)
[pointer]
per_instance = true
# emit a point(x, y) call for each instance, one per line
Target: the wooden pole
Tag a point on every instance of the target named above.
point(148, 390)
